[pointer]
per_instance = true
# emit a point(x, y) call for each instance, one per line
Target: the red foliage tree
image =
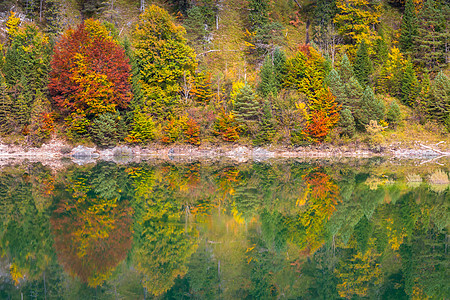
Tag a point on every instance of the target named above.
point(90, 71)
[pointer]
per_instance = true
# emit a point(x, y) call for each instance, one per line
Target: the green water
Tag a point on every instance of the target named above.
point(266, 230)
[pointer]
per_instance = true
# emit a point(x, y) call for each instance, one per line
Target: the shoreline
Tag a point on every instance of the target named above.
point(58, 150)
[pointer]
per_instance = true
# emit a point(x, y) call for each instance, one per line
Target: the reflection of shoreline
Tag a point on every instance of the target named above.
point(56, 150)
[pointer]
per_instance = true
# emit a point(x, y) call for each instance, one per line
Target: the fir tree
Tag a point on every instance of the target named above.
point(410, 85)
point(345, 69)
point(369, 108)
point(362, 67)
point(246, 106)
point(347, 123)
point(266, 126)
point(429, 44)
point(393, 115)
point(439, 101)
point(333, 80)
point(267, 85)
point(279, 67)
point(354, 93)
point(408, 28)
point(381, 48)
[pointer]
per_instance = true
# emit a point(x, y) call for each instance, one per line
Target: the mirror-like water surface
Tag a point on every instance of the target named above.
point(278, 230)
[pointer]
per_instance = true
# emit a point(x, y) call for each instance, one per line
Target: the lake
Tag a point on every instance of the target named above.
point(290, 229)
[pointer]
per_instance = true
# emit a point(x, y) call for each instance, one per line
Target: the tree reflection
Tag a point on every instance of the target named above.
point(92, 234)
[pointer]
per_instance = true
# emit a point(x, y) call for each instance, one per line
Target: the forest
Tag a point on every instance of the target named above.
point(255, 72)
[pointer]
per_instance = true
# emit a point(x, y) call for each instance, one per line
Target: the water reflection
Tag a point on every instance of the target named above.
point(224, 231)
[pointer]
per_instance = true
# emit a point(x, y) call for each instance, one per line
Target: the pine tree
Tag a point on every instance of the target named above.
point(439, 102)
point(429, 44)
point(362, 67)
point(408, 29)
point(393, 116)
point(345, 69)
point(410, 85)
point(267, 85)
point(347, 123)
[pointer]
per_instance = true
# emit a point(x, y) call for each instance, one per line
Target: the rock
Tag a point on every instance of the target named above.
point(121, 151)
point(82, 152)
point(262, 153)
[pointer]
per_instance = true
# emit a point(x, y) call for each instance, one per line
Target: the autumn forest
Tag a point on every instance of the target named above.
point(254, 72)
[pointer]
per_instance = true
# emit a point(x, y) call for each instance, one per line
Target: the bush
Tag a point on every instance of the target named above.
point(143, 129)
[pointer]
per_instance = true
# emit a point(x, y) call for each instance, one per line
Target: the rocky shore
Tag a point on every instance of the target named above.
point(56, 150)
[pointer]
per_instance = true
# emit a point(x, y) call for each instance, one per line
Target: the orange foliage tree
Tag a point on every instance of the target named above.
point(90, 72)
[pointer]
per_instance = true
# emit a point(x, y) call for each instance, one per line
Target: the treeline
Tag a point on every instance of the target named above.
point(162, 82)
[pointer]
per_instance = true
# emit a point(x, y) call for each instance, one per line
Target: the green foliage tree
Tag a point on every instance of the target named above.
point(345, 69)
point(108, 129)
point(362, 66)
point(439, 99)
point(408, 30)
point(410, 85)
point(25, 68)
point(393, 115)
point(347, 123)
point(369, 108)
point(267, 85)
point(334, 81)
point(163, 59)
point(246, 106)
point(432, 34)
point(267, 128)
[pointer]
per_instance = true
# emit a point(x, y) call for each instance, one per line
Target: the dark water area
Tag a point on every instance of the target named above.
point(259, 230)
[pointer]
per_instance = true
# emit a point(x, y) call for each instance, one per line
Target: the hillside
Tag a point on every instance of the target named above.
point(256, 72)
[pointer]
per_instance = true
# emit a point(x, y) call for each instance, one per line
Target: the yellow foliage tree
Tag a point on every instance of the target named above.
point(355, 21)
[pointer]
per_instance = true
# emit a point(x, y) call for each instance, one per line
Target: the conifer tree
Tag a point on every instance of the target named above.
point(354, 93)
point(362, 67)
point(267, 85)
point(408, 29)
point(334, 81)
point(345, 69)
point(439, 101)
point(410, 85)
point(246, 106)
point(266, 125)
point(279, 66)
point(432, 36)
point(393, 115)
point(347, 123)
point(370, 108)
point(381, 48)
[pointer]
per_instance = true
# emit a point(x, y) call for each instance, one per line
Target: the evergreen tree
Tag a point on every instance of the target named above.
point(381, 48)
point(266, 126)
point(408, 29)
point(369, 108)
point(279, 67)
point(333, 80)
point(393, 115)
point(246, 106)
point(345, 69)
point(347, 123)
point(354, 93)
point(439, 101)
point(362, 66)
point(431, 38)
point(410, 85)
point(267, 85)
